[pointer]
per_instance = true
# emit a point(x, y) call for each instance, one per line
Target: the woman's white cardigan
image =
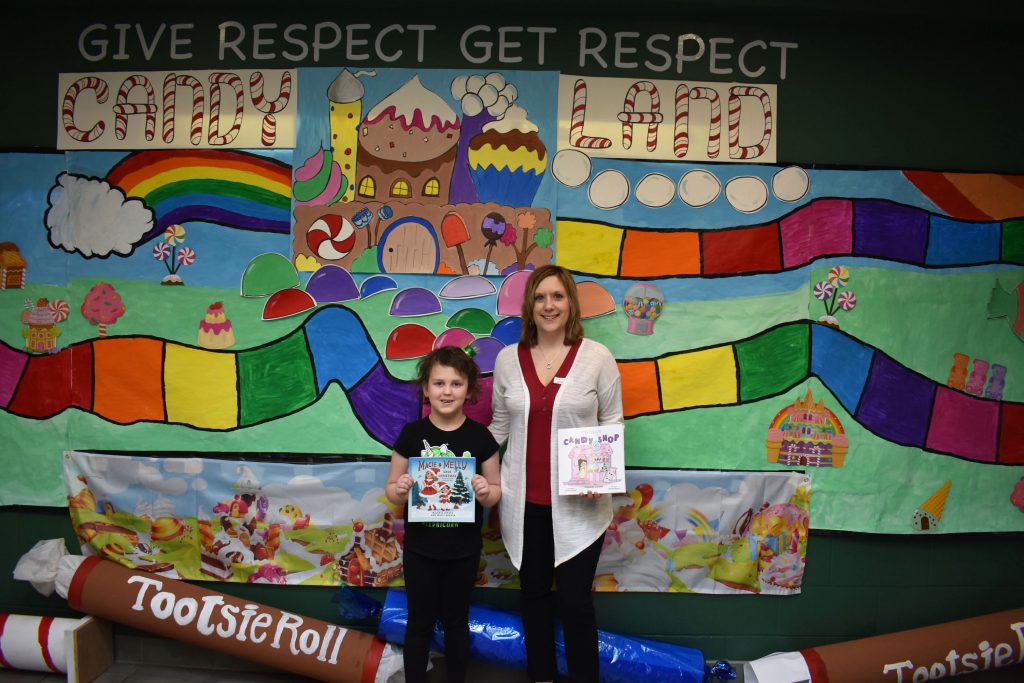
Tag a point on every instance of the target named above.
point(590, 394)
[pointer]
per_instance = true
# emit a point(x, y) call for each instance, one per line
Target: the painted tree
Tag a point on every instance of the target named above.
point(415, 499)
point(460, 492)
point(525, 222)
point(102, 306)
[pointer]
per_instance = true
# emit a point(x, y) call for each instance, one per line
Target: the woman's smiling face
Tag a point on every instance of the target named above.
point(550, 306)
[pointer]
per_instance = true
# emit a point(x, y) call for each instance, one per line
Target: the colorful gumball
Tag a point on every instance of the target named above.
point(331, 237)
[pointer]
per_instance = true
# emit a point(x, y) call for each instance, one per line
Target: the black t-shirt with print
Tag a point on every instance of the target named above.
point(445, 540)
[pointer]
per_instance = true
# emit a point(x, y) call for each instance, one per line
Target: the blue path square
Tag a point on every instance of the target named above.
point(340, 346)
point(953, 242)
point(841, 363)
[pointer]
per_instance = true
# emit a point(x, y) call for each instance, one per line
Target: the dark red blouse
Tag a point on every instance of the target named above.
point(538, 430)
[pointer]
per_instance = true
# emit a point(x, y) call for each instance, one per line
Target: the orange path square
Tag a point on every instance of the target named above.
point(639, 388)
point(129, 379)
point(646, 253)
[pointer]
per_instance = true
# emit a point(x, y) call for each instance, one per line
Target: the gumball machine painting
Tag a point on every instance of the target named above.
point(643, 304)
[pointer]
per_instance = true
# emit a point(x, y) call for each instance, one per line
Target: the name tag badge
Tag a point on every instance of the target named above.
point(559, 380)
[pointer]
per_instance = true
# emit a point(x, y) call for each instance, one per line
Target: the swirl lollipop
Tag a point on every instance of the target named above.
point(174, 234)
point(823, 290)
point(59, 309)
point(838, 276)
point(187, 256)
point(161, 251)
point(847, 300)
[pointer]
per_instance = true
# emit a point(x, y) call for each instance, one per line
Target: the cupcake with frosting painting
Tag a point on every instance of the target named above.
point(507, 160)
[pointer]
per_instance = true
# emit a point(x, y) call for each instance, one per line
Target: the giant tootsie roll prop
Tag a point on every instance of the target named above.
point(248, 630)
point(497, 637)
point(921, 654)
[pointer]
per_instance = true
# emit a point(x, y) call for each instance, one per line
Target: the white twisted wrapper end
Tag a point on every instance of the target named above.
point(392, 667)
point(778, 667)
point(48, 567)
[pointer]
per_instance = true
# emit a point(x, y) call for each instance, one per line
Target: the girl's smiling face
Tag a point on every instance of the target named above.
point(446, 390)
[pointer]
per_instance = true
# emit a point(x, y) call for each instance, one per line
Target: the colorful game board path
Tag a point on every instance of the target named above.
point(224, 390)
point(869, 228)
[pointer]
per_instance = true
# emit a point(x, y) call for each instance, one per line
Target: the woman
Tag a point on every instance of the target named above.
point(554, 379)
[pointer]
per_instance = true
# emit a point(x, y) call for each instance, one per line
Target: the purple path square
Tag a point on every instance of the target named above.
point(964, 425)
point(384, 405)
point(897, 403)
point(886, 230)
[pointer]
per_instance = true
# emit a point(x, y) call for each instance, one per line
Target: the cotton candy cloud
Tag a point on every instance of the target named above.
point(94, 218)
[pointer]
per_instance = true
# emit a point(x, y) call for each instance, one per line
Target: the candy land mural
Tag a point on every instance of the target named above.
point(275, 301)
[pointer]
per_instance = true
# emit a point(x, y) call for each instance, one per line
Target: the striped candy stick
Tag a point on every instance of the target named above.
point(652, 119)
point(171, 83)
point(123, 109)
point(269, 132)
point(715, 125)
point(737, 151)
point(681, 130)
point(579, 110)
point(68, 108)
point(218, 80)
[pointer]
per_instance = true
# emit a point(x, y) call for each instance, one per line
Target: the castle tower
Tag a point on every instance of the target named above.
point(346, 97)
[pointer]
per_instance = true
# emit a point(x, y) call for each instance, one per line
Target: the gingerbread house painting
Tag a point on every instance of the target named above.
point(13, 267)
point(407, 147)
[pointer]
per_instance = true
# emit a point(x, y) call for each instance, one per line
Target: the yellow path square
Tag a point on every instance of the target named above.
point(588, 247)
point(698, 378)
point(200, 387)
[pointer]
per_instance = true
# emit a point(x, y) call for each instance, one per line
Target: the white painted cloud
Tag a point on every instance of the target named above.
point(94, 218)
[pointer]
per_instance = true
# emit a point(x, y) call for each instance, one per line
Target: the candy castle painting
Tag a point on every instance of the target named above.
point(439, 176)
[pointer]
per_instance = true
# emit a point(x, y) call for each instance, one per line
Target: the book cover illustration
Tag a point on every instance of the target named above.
point(591, 459)
point(441, 491)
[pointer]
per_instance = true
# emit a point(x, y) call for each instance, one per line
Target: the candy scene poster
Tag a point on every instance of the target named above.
point(766, 317)
point(296, 523)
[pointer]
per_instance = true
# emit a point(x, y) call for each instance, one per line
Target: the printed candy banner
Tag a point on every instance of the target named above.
point(325, 524)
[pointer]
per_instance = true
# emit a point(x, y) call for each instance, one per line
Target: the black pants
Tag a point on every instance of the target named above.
point(574, 602)
point(437, 588)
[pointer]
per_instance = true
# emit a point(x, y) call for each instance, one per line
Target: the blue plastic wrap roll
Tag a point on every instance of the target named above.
point(497, 637)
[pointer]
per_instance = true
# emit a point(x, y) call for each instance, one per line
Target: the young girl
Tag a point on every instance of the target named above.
point(441, 558)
